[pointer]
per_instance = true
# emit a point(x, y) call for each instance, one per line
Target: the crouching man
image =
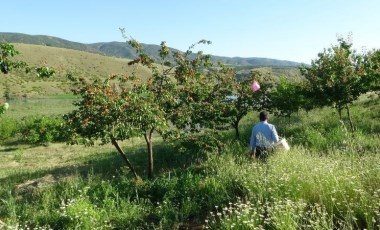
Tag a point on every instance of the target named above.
point(263, 138)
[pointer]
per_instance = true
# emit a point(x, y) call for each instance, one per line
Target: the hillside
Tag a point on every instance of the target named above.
point(83, 64)
point(90, 61)
point(123, 50)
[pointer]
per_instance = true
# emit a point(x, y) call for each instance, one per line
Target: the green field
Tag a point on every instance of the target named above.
point(49, 105)
point(330, 179)
point(63, 61)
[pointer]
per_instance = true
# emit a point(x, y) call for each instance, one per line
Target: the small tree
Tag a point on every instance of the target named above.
point(244, 100)
point(116, 114)
point(190, 91)
point(261, 98)
point(184, 92)
point(289, 97)
point(370, 80)
point(101, 114)
point(334, 77)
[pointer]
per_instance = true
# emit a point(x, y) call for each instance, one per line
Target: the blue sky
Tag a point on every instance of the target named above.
point(294, 30)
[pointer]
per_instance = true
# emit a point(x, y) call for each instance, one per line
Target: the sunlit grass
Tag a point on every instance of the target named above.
point(48, 106)
point(296, 189)
point(293, 190)
point(63, 61)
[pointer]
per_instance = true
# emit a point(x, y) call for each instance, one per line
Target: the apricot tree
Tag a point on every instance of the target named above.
point(183, 90)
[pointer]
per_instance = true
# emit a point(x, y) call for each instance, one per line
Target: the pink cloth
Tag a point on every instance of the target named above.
point(255, 86)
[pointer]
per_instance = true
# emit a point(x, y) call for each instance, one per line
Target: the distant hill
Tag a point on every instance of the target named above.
point(124, 50)
point(44, 40)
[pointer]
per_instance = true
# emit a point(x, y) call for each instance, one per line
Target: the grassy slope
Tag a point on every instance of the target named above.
point(80, 63)
point(84, 64)
point(121, 49)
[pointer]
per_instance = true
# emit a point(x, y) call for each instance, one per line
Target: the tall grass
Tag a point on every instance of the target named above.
point(298, 190)
point(293, 190)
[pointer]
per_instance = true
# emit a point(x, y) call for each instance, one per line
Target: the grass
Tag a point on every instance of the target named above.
point(330, 179)
point(296, 190)
point(58, 105)
point(81, 64)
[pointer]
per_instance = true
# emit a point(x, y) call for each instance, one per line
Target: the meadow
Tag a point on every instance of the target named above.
point(330, 179)
point(18, 84)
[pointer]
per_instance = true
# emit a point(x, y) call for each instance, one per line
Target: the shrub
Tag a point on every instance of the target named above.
point(8, 128)
point(42, 130)
point(207, 141)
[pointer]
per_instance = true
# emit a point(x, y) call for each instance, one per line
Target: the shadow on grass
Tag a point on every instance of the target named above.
point(107, 164)
point(10, 149)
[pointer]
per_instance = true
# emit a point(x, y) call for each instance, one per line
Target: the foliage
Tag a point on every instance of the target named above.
point(188, 93)
point(42, 130)
point(322, 131)
point(200, 143)
point(191, 91)
point(371, 80)
point(8, 128)
point(102, 113)
point(262, 98)
point(243, 100)
point(336, 77)
point(289, 97)
point(44, 72)
point(7, 52)
point(4, 107)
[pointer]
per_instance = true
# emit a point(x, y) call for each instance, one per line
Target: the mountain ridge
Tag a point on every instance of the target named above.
point(124, 50)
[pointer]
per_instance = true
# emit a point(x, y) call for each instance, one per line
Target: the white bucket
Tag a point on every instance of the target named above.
point(282, 144)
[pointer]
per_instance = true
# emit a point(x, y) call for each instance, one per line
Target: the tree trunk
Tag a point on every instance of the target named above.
point(114, 142)
point(349, 118)
point(339, 112)
point(236, 127)
point(149, 144)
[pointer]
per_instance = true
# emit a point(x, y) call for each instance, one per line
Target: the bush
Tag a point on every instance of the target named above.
point(42, 130)
point(8, 128)
point(207, 141)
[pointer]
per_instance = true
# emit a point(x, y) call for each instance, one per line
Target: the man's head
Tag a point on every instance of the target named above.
point(264, 116)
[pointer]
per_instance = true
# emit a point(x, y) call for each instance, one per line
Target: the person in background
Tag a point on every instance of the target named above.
point(263, 138)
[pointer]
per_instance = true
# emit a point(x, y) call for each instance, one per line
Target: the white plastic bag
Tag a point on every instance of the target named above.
point(282, 144)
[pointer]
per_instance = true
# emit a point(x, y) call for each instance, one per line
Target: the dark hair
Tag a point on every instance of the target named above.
point(263, 115)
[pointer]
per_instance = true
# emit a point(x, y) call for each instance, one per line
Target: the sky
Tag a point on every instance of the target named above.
point(294, 30)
